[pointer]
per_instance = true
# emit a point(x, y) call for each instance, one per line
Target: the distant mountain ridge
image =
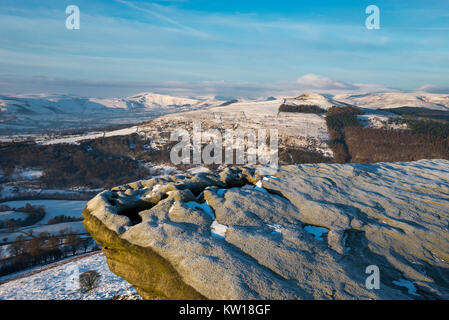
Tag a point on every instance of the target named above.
point(397, 100)
point(37, 111)
point(35, 104)
point(373, 100)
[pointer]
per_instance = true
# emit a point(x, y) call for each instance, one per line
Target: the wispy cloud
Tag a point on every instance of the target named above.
point(194, 42)
point(164, 18)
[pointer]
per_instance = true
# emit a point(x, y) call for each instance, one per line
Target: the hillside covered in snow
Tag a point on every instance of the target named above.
point(34, 113)
point(42, 112)
point(314, 99)
point(397, 100)
point(60, 282)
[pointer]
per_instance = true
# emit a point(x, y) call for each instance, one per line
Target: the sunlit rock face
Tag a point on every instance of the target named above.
point(303, 232)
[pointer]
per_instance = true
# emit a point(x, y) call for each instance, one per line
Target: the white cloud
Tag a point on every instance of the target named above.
point(163, 17)
point(431, 88)
point(314, 81)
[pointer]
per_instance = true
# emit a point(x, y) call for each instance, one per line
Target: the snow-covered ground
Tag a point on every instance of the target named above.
point(265, 115)
point(71, 139)
point(13, 190)
point(52, 208)
point(198, 169)
point(151, 100)
point(300, 130)
point(7, 215)
point(38, 113)
point(379, 121)
point(27, 174)
point(160, 169)
point(52, 229)
point(94, 135)
point(61, 283)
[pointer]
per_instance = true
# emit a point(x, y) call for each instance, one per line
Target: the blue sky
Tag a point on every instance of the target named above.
point(241, 48)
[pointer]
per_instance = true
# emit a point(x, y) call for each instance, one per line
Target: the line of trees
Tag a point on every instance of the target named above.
point(42, 249)
point(433, 128)
point(337, 119)
point(351, 142)
point(377, 145)
point(301, 108)
point(62, 218)
point(420, 113)
point(108, 163)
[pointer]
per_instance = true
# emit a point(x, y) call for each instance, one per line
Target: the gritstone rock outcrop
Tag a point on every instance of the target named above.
point(304, 232)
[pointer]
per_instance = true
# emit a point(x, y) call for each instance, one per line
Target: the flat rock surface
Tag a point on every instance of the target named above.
point(304, 232)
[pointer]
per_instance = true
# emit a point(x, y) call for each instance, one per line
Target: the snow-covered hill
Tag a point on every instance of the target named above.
point(314, 99)
point(151, 100)
point(396, 100)
point(41, 111)
point(41, 104)
point(295, 130)
point(373, 100)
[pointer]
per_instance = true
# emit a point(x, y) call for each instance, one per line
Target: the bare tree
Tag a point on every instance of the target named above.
point(17, 248)
point(52, 248)
point(73, 242)
point(85, 244)
point(89, 280)
point(35, 249)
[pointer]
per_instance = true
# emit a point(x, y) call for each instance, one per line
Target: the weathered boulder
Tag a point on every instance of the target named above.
point(306, 232)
